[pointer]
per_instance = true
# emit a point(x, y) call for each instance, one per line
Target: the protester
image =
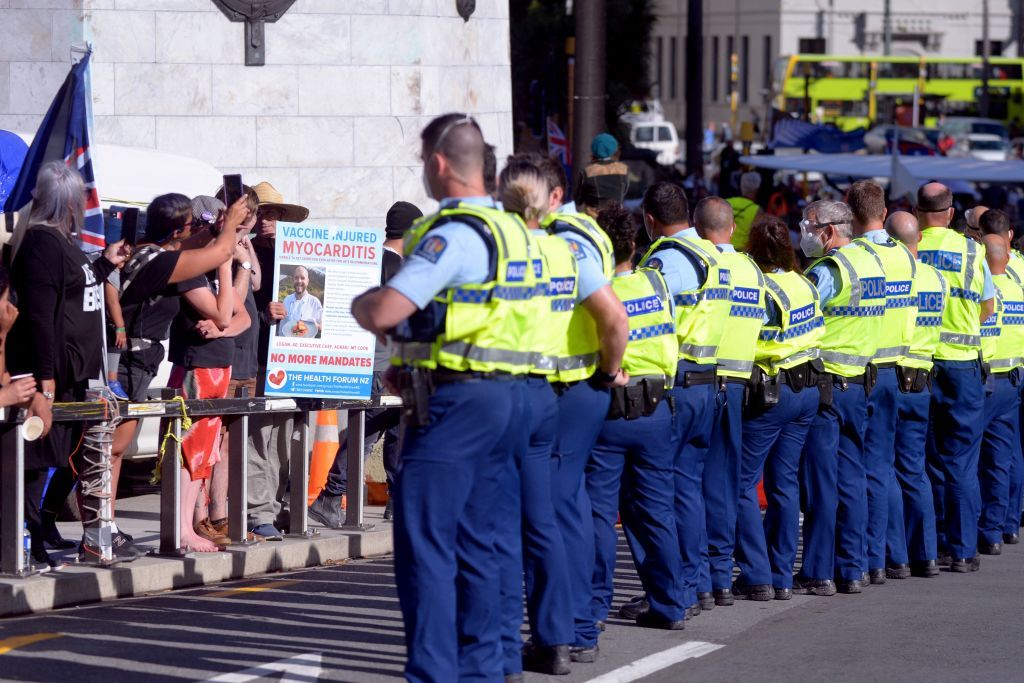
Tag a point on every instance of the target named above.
point(174, 249)
point(211, 509)
point(271, 435)
point(330, 503)
point(117, 337)
point(202, 349)
point(58, 336)
point(604, 179)
point(20, 391)
point(745, 208)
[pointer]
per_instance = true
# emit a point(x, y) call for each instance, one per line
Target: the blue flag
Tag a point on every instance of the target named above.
point(65, 135)
point(791, 132)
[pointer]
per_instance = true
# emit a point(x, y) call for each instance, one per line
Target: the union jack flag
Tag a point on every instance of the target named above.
point(558, 143)
point(66, 133)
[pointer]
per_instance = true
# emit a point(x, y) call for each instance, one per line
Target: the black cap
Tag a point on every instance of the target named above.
point(400, 218)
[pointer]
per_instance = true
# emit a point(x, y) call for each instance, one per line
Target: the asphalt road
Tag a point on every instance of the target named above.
point(341, 623)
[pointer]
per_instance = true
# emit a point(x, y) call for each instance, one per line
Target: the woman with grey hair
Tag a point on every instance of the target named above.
point(58, 336)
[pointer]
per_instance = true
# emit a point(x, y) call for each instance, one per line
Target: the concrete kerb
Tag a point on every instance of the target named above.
point(77, 584)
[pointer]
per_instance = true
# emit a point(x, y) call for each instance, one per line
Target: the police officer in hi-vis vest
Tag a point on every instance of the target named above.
point(589, 363)
point(458, 313)
point(910, 522)
point(630, 468)
point(783, 402)
point(700, 289)
point(867, 202)
point(999, 224)
point(1002, 342)
point(713, 218)
point(528, 532)
point(957, 408)
point(851, 285)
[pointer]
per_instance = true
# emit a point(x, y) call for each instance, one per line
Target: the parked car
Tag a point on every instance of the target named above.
point(912, 141)
point(958, 128)
point(981, 146)
point(658, 136)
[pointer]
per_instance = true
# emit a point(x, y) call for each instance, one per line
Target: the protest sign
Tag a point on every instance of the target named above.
point(318, 350)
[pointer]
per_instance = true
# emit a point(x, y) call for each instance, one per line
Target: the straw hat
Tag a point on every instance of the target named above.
point(270, 197)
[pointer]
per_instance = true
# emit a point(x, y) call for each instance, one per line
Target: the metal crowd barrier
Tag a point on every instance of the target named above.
point(236, 413)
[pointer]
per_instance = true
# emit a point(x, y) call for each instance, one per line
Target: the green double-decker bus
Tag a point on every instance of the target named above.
point(860, 91)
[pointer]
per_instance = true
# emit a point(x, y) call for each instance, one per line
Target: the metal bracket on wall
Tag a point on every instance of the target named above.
point(255, 13)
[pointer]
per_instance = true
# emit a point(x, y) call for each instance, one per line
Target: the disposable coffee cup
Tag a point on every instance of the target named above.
point(32, 428)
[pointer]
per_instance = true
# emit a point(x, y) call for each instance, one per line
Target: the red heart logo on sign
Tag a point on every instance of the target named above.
point(277, 378)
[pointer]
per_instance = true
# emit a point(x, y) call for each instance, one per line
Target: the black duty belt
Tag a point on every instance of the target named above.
point(693, 379)
point(444, 376)
point(886, 366)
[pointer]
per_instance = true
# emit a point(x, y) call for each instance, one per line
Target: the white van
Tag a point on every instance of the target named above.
point(659, 136)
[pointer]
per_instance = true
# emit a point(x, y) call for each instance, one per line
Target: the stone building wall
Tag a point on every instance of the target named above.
point(333, 118)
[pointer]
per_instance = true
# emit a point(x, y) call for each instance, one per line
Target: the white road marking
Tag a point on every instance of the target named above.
point(298, 669)
point(657, 662)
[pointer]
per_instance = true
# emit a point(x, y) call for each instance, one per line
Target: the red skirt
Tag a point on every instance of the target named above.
point(200, 446)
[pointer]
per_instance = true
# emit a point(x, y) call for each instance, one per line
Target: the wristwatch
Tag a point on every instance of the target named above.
point(604, 377)
point(247, 265)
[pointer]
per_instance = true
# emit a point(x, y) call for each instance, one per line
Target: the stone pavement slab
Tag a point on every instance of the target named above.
point(75, 584)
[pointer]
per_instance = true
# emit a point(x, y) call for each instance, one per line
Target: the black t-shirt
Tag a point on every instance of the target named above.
point(265, 255)
point(188, 348)
point(148, 302)
point(59, 332)
point(244, 365)
point(391, 263)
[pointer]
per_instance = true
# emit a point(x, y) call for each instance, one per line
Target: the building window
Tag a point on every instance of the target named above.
point(730, 47)
point(745, 69)
point(714, 68)
point(767, 60)
point(672, 54)
point(659, 54)
point(995, 47)
point(812, 46)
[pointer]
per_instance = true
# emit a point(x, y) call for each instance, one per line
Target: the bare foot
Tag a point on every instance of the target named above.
point(193, 543)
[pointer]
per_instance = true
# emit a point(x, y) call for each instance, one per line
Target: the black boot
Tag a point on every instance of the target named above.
point(38, 549)
point(50, 534)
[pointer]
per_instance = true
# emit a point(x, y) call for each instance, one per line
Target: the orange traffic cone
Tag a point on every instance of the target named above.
point(325, 448)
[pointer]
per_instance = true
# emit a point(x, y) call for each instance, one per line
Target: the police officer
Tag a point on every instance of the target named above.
point(867, 202)
point(526, 494)
point(998, 223)
point(910, 523)
point(458, 304)
point(700, 288)
point(636, 446)
point(589, 363)
point(957, 408)
point(851, 285)
point(713, 218)
point(783, 403)
point(1002, 338)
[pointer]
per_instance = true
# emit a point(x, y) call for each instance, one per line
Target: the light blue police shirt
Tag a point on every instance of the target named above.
point(451, 255)
point(682, 272)
point(588, 259)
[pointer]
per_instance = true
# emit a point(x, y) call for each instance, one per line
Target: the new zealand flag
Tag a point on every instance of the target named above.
point(66, 134)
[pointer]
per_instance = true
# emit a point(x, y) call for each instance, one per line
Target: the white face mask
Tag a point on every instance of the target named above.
point(810, 245)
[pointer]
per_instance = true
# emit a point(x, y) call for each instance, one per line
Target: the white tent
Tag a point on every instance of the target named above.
point(921, 168)
point(135, 175)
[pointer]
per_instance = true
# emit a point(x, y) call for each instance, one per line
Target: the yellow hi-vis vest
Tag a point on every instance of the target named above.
point(558, 289)
point(744, 211)
point(701, 314)
point(652, 350)
point(480, 327)
point(746, 315)
point(958, 260)
point(1002, 334)
point(931, 291)
point(793, 338)
point(853, 317)
point(578, 357)
point(900, 300)
point(1015, 267)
